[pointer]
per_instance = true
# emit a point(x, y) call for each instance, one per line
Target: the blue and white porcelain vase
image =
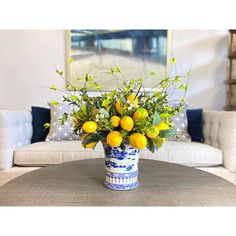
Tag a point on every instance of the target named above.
point(121, 167)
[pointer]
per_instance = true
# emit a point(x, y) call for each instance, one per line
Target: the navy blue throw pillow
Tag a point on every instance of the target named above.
point(41, 116)
point(195, 124)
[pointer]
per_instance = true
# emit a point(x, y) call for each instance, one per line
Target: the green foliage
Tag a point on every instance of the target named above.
point(46, 125)
point(101, 108)
point(168, 133)
point(53, 87)
point(150, 145)
point(59, 72)
point(54, 102)
point(156, 119)
point(173, 60)
point(90, 138)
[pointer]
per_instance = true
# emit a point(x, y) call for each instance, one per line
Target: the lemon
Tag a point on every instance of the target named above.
point(75, 120)
point(89, 127)
point(138, 140)
point(127, 123)
point(115, 121)
point(119, 106)
point(114, 139)
point(91, 145)
point(163, 126)
point(133, 99)
point(140, 114)
point(152, 132)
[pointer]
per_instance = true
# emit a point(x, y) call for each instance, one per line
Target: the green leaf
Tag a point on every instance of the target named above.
point(88, 78)
point(83, 109)
point(46, 125)
point(75, 88)
point(158, 141)
point(173, 60)
point(111, 72)
point(71, 60)
point(90, 138)
point(168, 133)
point(152, 73)
point(122, 146)
point(59, 72)
point(177, 79)
point(150, 145)
point(156, 118)
point(54, 102)
point(189, 73)
point(165, 115)
point(104, 112)
point(106, 102)
point(118, 69)
point(112, 94)
point(68, 86)
point(184, 87)
point(98, 87)
point(73, 97)
point(53, 87)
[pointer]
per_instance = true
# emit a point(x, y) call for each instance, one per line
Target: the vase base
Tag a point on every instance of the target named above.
point(121, 186)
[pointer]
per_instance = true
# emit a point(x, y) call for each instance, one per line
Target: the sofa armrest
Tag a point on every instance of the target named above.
point(15, 131)
point(219, 130)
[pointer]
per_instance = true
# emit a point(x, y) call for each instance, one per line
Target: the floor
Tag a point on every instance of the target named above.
point(7, 175)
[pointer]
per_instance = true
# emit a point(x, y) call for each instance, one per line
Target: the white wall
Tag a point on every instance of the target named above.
point(27, 60)
point(205, 51)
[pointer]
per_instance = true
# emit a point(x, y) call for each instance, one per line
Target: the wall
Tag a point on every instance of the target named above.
point(205, 51)
point(27, 60)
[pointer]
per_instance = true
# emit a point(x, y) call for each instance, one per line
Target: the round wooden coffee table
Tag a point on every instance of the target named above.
point(80, 183)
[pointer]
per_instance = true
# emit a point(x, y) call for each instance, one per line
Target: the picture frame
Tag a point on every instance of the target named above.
point(97, 51)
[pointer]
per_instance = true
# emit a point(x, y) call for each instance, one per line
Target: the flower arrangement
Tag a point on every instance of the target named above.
point(129, 114)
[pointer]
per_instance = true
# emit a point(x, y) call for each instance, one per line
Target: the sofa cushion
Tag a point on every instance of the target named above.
point(54, 152)
point(15, 132)
point(43, 153)
point(195, 124)
point(180, 123)
point(191, 154)
point(41, 115)
point(59, 131)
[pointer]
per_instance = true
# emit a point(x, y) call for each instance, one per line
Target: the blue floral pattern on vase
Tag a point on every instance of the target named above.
point(121, 167)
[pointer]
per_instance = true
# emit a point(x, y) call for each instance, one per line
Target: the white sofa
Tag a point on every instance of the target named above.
point(219, 131)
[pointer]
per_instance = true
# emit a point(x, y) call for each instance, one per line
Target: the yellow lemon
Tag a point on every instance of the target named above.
point(152, 132)
point(119, 106)
point(75, 120)
point(163, 126)
point(127, 123)
point(91, 145)
point(133, 99)
point(138, 140)
point(114, 139)
point(140, 114)
point(89, 127)
point(115, 121)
